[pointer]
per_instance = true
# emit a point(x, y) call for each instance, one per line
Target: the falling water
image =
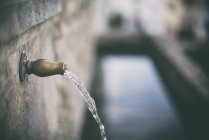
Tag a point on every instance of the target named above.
point(88, 99)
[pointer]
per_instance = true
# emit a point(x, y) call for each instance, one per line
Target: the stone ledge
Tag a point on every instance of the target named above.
point(19, 17)
point(158, 48)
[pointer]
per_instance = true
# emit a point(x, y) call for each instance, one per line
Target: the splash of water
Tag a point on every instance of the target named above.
point(88, 99)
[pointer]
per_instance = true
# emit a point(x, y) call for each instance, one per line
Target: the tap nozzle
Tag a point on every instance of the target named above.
point(40, 67)
point(44, 67)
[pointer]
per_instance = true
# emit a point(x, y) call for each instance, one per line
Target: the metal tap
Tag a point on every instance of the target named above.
point(44, 67)
point(40, 67)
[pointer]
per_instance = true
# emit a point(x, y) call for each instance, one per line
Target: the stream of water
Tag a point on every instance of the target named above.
point(88, 99)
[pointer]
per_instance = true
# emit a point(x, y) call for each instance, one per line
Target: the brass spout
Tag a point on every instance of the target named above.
point(40, 67)
point(43, 67)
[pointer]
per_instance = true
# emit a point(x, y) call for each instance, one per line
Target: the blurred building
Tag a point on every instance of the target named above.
point(159, 17)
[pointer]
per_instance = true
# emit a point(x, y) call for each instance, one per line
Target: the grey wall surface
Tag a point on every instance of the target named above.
point(51, 107)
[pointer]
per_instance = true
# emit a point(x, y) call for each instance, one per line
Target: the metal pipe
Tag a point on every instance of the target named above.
point(44, 67)
point(40, 67)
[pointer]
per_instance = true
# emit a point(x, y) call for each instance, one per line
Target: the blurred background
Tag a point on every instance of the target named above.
point(145, 62)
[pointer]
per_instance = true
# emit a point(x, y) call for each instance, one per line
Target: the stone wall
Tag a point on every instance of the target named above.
point(51, 107)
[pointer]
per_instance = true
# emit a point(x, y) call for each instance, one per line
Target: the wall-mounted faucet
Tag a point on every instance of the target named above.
point(43, 67)
point(40, 67)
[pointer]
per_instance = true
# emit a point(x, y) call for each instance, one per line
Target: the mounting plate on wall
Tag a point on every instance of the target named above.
point(22, 66)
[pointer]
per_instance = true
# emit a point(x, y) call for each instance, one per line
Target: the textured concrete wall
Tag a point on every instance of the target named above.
point(51, 107)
